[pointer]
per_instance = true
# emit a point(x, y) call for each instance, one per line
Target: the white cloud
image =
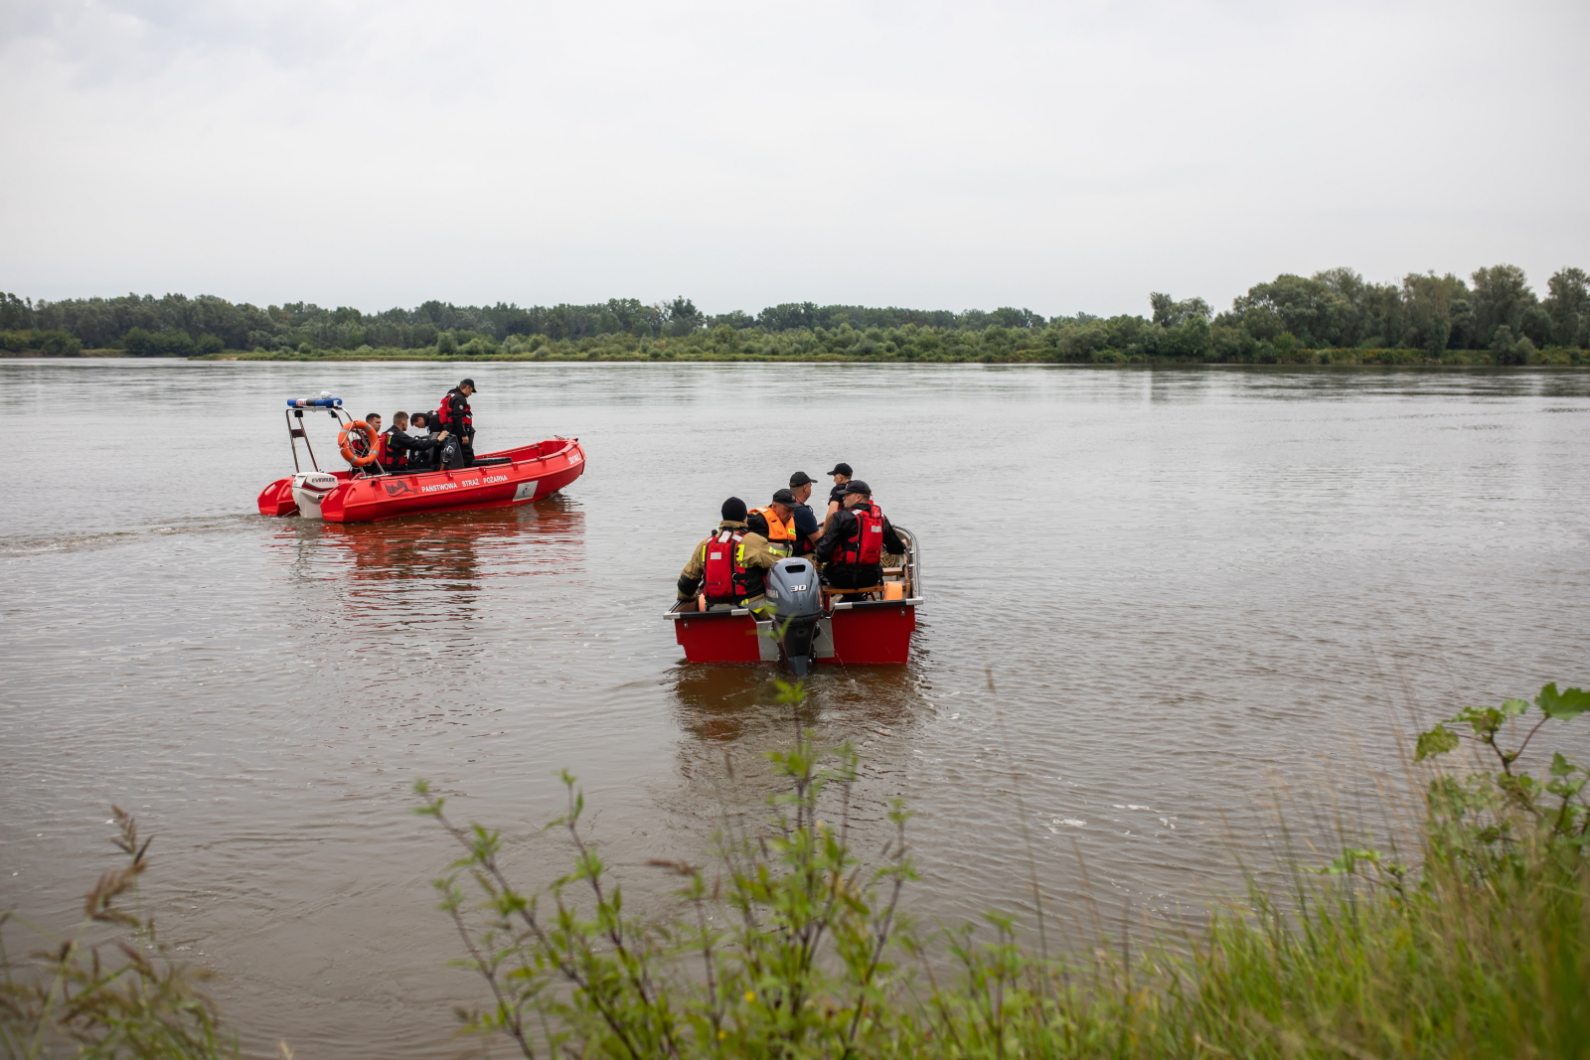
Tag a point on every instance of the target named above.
point(1061, 157)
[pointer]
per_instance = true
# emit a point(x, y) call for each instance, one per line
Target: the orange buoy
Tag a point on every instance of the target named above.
point(345, 443)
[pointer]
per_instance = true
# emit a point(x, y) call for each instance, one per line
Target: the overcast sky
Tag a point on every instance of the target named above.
point(1063, 157)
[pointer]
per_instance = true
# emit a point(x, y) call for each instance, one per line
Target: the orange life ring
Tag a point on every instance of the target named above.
point(347, 447)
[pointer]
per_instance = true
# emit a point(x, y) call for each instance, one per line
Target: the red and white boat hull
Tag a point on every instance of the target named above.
point(870, 632)
point(532, 472)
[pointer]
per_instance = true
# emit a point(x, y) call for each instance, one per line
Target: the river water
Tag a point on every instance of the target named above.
point(1158, 604)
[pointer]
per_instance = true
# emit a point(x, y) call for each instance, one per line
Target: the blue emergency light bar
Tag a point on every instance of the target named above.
point(315, 403)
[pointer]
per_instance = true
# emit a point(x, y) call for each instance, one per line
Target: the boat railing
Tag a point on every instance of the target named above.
point(296, 431)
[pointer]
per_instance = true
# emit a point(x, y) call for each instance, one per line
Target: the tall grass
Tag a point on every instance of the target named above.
point(790, 946)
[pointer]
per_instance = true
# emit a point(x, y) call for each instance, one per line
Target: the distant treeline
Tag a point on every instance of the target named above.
point(1335, 316)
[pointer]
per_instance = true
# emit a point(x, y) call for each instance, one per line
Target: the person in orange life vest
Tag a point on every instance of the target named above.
point(730, 567)
point(780, 518)
point(807, 529)
point(836, 496)
point(858, 536)
point(455, 417)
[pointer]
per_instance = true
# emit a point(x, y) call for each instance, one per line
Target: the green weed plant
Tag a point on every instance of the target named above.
point(96, 996)
point(791, 946)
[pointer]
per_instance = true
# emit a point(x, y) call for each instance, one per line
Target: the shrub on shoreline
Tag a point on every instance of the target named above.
point(790, 944)
point(1483, 950)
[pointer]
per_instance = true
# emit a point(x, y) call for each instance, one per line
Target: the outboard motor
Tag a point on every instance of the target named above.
point(797, 599)
point(309, 489)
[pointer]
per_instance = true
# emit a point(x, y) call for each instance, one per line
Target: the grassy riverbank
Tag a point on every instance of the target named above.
point(789, 944)
point(791, 349)
point(779, 352)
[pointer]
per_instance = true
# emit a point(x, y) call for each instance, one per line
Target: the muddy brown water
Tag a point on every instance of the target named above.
point(1154, 601)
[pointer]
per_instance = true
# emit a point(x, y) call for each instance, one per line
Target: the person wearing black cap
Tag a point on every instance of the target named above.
point(416, 451)
point(807, 528)
point(836, 496)
point(858, 537)
point(780, 518)
point(730, 567)
point(456, 418)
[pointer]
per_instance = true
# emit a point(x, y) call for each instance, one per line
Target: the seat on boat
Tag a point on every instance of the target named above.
point(860, 590)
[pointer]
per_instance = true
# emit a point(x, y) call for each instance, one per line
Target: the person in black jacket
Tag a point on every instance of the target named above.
point(417, 450)
point(390, 452)
point(455, 417)
point(851, 550)
point(836, 496)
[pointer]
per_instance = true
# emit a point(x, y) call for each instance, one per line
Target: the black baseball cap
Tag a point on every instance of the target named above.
point(734, 510)
point(469, 383)
point(840, 469)
point(784, 497)
point(855, 485)
point(800, 478)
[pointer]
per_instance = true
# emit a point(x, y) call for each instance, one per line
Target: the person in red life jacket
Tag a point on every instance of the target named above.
point(729, 567)
point(404, 453)
point(858, 537)
point(390, 456)
point(455, 418)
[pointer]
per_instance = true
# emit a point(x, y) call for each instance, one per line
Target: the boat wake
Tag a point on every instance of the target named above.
point(93, 540)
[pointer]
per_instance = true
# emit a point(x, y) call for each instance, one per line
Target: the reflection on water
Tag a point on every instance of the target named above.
point(721, 703)
point(716, 704)
point(733, 717)
point(428, 573)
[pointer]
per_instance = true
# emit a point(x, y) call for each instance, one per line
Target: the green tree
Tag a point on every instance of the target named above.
point(1169, 313)
point(1568, 305)
point(1428, 304)
point(1501, 298)
point(140, 343)
point(684, 317)
point(15, 314)
point(1308, 309)
point(1354, 305)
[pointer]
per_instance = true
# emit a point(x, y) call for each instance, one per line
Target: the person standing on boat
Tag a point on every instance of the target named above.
point(807, 528)
point(730, 567)
point(836, 496)
point(779, 516)
point(456, 418)
point(858, 536)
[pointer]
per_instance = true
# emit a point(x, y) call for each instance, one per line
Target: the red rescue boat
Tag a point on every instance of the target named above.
point(875, 631)
point(520, 475)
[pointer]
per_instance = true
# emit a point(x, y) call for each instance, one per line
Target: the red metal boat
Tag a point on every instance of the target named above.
point(874, 631)
point(496, 480)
